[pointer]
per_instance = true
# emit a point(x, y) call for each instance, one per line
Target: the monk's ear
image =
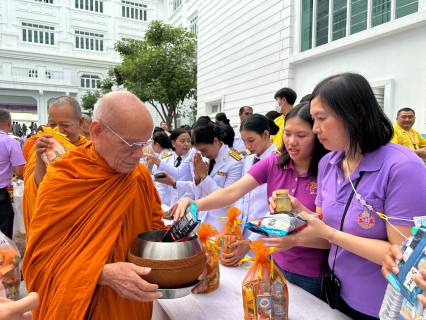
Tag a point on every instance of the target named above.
point(81, 122)
point(95, 130)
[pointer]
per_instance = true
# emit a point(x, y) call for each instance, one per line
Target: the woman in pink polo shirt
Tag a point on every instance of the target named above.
point(350, 123)
point(295, 169)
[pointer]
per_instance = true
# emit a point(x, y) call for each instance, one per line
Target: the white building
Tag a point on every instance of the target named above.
point(247, 50)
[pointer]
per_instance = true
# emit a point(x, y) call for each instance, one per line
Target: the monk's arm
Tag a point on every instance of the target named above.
point(39, 171)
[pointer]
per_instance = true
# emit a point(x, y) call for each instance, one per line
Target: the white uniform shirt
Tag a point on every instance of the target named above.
point(238, 141)
point(183, 170)
point(163, 154)
point(255, 204)
point(226, 171)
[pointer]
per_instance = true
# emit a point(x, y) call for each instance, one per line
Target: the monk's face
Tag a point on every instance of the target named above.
point(63, 118)
point(85, 130)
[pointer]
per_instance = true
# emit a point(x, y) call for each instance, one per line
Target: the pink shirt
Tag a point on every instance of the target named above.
point(300, 260)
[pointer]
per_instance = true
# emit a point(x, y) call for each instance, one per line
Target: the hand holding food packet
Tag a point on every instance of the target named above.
point(264, 288)
point(283, 223)
point(9, 267)
point(205, 233)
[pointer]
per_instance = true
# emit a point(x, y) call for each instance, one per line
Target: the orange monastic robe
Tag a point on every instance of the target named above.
point(28, 145)
point(87, 215)
point(30, 186)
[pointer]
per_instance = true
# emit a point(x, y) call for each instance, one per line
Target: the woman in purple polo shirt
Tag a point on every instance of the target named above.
point(350, 123)
point(295, 169)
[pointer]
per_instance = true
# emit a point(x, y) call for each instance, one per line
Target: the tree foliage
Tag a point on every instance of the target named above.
point(161, 70)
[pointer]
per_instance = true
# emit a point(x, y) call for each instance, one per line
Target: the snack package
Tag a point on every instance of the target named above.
point(9, 267)
point(278, 225)
point(414, 258)
point(264, 288)
point(54, 153)
point(230, 232)
point(205, 234)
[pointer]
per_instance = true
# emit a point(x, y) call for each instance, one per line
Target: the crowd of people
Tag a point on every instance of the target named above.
point(82, 212)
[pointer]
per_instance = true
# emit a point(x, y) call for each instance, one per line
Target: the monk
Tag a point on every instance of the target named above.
point(65, 117)
point(91, 206)
point(85, 130)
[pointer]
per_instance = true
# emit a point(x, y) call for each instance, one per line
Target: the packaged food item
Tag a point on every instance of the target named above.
point(10, 275)
point(283, 201)
point(229, 233)
point(278, 225)
point(181, 230)
point(54, 153)
point(264, 288)
point(205, 233)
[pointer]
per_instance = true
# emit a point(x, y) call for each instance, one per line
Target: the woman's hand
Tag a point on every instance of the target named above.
point(169, 214)
point(151, 158)
point(421, 282)
point(241, 248)
point(180, 211)
point(389, 265)
point(315, 228)
point(17, 310)
point(167, 180)
point(281, 243)
point(200, 166)
point(296, 206)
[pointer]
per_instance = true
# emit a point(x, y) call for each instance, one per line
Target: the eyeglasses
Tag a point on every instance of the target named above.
point(132, 146)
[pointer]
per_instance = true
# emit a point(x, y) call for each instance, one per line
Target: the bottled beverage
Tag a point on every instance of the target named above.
point(181, 230)
point(279, 302)
point(392, 301)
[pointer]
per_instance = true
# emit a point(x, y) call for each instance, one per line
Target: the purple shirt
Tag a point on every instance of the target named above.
point(394, 183)
point(10, 156)
point(300, 260)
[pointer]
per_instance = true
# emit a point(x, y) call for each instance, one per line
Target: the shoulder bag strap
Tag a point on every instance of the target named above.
point(344, 215)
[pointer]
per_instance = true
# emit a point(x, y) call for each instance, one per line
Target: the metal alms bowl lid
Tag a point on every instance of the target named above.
point(148, 245)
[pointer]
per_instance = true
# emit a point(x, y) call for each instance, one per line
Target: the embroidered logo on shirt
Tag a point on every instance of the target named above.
point(312, 187)
point(366, 220)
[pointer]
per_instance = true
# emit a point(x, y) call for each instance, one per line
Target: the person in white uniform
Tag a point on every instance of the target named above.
point(223, 169)
point(161, 147)
point(181, 144)
point(243, 113)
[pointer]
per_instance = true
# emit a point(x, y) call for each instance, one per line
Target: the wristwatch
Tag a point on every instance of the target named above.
point(174, 185)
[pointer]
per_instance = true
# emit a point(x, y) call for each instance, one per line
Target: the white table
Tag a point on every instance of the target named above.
point(226, 302)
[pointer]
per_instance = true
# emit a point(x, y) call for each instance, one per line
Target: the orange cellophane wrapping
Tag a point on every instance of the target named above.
point(230, 232)
point(205, 234)
point(260, 278)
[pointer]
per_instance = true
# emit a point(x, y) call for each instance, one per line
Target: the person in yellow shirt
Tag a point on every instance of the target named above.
point(285, 99)
point(405, 135)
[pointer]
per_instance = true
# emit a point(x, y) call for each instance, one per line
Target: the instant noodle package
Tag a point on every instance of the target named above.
point(9, 267)
point(230, 232)
point(205, 233)
point(264, 288)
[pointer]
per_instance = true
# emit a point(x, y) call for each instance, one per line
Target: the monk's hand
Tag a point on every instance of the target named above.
point(151, 158)
point(125, 279)
point(42, 144)
point(17, 310)
point(180, 211)
point(167, 180)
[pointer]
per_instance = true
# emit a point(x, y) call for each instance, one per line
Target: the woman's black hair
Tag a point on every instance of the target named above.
point(230, 135)
point(162, 139)
point(272, 114)
point(221, 116)
point(350, 97)
point(302, 112)
point(259, 123)
point(206, 133)
point(174, 135)
point(158, 129)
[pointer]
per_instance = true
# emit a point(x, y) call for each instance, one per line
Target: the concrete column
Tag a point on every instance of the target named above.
point(7, 69)
point(41, 71)
point(41, 108)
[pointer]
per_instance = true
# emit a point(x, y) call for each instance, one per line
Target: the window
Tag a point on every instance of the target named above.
point(406, 7)
point(48, 75)
point(45, 1)
point(176, 4)
point(379, 93)
point(214, 106)
point(90, 5)
point(89, 41)
point(339, 19)
point(133, 10)
point(322, 22)
point(193, 28)
point(380, 12)
point(89, 81)
point(307, 12)
point(37, 33)
point(32, 74)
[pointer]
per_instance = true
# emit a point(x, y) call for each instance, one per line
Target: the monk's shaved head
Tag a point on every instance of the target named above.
point(121, 120)
point(87, 118)
point(85, 130)
point(65, 101)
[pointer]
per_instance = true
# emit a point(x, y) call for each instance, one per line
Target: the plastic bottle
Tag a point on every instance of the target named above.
point(392, 301)
point(279, 302)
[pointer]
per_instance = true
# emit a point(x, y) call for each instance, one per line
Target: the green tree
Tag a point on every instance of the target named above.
point(161, 70)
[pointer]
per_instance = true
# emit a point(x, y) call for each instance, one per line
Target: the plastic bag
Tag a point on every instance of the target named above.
point(230, 232)
point(205, 234)
point(9, 267)
point(264, 288)
point(19, 234)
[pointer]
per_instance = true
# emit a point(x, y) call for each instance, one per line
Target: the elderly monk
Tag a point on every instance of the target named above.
point(91, 206)
point(65, 117)
point(85, 130)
